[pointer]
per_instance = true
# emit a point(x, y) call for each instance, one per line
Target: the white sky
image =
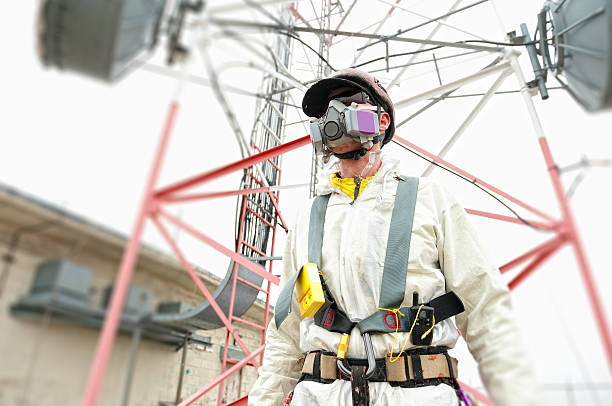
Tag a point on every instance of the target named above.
point(87, 147)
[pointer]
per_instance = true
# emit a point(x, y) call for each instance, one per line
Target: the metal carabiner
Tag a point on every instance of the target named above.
point(344, 366)
point(369, 348)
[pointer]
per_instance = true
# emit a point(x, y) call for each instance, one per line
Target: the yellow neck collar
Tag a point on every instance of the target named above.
point(349, 186)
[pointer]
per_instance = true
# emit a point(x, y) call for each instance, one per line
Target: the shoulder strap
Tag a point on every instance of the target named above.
point(315, 242)
point(398, 244)
point(315, 229)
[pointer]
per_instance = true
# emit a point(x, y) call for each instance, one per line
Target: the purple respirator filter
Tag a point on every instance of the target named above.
point(366, 122)
point(361, 123)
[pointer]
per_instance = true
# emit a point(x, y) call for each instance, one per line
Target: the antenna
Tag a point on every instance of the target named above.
point(581, 40)
point(106, 40)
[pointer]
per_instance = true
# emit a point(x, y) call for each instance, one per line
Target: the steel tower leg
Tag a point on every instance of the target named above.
point(568, 217)
point(124, 276)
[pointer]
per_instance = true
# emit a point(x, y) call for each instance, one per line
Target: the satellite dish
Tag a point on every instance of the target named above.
point(582, 45)
point(583, 39)
point(98, 38)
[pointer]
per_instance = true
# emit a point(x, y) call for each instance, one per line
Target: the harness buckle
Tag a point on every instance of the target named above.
point(422, 324)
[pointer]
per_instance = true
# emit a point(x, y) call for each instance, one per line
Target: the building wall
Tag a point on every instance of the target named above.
point(46, 362)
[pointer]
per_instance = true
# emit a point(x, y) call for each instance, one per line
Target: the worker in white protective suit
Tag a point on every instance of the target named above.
point(323, 360)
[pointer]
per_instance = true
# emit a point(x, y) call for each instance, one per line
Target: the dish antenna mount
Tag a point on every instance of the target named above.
point(573, 39)
point(106, 39)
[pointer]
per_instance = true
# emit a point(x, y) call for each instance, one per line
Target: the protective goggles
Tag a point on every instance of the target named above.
point(345, 121)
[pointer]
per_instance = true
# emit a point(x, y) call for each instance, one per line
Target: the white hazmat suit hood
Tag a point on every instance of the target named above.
point(445, 255)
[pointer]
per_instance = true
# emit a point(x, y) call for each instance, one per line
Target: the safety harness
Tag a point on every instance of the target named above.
point(390, 317)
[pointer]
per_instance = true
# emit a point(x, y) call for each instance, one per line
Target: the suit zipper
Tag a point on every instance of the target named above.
point(357, 181)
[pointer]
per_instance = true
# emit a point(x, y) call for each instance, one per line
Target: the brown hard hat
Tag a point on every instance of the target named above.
point(317, 98)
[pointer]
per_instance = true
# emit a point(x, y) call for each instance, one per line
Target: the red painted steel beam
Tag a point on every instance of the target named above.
point(251, 266)
point(226, 193)
point(360, 31)
point(511, 219)
point(249, 323)
point(221, 377)
point(260, 183)
point(539, 260)
point(214, 195)
point(263, 220)
point(259, 288)
point(298, 16)
point(550, 244)
point(126, 268)
point(585, 270)
point(391, 10)
point(233, 361)
point(346, 14)
point(234, 275)
point(196, 279)
point(240, 402)
point(268, 285)
point(473, 179)
point(230, 168)
point(315, 13)
point(277, 210)
point(246, 244)
point(271, 162)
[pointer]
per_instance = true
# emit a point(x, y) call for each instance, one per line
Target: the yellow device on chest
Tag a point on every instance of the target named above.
point(309, 290)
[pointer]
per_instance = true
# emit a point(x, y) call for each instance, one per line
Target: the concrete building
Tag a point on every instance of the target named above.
point(45, 359)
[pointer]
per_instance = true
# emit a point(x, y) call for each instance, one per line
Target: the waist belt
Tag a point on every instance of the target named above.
point(419, 367)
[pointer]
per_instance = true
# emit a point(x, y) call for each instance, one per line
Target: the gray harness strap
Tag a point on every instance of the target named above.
point(315, 229)
point(315, 246)
point(398, 244)
point(396, 257)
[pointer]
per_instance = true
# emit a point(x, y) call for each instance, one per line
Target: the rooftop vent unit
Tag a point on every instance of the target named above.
point(138, 300)
point(62, 277)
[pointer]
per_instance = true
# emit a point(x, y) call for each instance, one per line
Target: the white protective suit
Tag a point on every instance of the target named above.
point(444, 255)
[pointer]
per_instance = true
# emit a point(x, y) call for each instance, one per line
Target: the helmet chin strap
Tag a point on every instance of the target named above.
point(358, 153)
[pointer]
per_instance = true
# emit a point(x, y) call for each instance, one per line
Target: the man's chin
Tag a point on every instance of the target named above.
point(345, 148)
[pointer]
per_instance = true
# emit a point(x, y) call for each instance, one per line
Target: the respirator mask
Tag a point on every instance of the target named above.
point(346, 121)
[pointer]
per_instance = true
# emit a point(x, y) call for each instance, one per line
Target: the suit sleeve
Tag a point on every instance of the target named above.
point(487, 324)
point(281, 367)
